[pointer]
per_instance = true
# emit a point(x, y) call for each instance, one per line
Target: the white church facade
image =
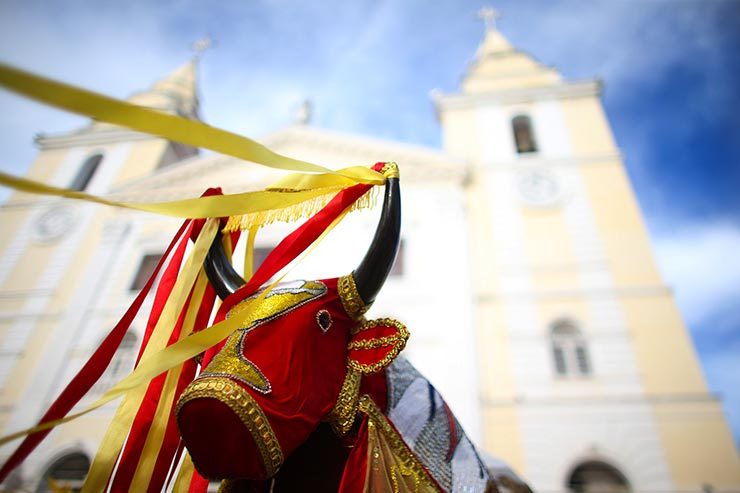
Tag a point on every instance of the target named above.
point(525, 277)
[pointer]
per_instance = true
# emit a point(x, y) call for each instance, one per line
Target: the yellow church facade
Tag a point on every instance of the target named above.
point(571, 360)
point(585, 357)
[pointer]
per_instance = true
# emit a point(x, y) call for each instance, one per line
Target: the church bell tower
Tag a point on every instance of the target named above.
point(588, 374)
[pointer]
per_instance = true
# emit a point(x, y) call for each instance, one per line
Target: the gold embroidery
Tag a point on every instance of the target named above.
point(403, 471)
point(396, 341)
point(374, 343)
point(232, 486)
point(231, 361)
point(350, 297)
point(248, 411)
point(279, 301)
point(394, 466)
point(394, 479)
point(390, 170)
point(342, 416)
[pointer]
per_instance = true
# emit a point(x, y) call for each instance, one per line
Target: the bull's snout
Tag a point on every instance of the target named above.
point(226, 431)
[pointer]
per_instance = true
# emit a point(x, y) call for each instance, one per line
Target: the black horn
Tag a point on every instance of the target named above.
point(369, 276)
point(372, 272)
point(220, 272)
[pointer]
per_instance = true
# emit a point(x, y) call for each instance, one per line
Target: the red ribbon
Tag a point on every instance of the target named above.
point(90, 372)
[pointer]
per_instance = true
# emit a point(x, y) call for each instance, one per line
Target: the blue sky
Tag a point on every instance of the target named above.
point(671, 90)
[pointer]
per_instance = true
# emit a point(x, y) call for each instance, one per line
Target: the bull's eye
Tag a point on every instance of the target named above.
point(323, 318)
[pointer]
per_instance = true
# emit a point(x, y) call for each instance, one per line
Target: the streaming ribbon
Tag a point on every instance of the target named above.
point(301, 186)
point(155, 122)
point(311, 182)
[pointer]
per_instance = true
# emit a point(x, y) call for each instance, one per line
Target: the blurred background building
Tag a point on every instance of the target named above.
point(525, 276)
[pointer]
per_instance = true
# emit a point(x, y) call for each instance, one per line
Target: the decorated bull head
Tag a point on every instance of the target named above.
point(297, 360)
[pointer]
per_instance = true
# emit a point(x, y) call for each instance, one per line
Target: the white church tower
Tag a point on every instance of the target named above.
point(588, 375)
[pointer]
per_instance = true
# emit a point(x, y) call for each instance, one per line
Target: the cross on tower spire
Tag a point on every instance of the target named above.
point(489, 16)
point(202, 44)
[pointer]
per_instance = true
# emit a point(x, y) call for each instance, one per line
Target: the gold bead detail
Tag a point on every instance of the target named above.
point(390, 170)
point(350, 297)
point(248, 411)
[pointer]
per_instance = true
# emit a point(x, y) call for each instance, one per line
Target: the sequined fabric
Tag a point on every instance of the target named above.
point(392, 467)
point(429, 429)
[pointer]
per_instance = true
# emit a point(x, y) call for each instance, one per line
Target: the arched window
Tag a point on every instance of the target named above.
point(121, 364)
point(569, 349)
point(82, 180)
point(146, 267)
point(597, 477)
point(523, 134)
point(66, 474)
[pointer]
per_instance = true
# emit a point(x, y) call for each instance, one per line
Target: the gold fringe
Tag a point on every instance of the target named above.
point(308, 208)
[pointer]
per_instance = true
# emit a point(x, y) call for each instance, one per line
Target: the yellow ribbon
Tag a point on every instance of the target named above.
point(184, 475)
point(154, 438)
point(110, 447)
point(158, 358)
point(155, 122)
point(213, 206)
point(249, 253)
point(58, 488)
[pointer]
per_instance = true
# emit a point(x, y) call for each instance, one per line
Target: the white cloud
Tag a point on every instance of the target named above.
point(700, 262)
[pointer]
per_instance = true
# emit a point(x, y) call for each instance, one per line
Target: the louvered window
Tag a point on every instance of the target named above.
point(569, 349)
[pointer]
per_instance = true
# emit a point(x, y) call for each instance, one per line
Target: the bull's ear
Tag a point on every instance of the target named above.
point(375, 344)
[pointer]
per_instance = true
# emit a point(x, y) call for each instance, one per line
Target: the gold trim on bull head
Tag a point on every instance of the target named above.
point(381, 350)
point(350, 297)
point(230, 361)
point(342, 416)
point(248, 411)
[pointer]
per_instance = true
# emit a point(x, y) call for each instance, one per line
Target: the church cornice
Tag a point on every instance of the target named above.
point(369, 149)
point(570, 90)
point(600, 400)
point(419, 165)
point(648, 291)
point(537, 161)
point(88, 137)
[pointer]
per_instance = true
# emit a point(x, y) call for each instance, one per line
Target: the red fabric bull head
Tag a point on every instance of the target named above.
point(266, 389)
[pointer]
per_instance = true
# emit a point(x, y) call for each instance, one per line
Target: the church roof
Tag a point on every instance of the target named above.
point(499, 66)
point(175, 93)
